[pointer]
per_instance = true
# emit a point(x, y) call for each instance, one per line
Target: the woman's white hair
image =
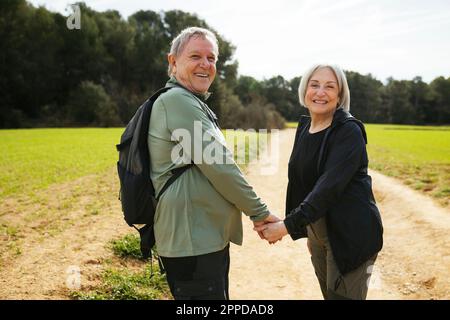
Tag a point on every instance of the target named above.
point(344, 91)
point(180, 41)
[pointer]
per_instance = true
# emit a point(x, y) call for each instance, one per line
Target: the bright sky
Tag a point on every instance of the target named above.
point(397, 38)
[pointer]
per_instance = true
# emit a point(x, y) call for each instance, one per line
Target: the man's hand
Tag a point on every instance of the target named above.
point(271, 218)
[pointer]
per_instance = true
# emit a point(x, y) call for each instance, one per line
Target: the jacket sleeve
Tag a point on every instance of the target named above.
point(205, 146)
point(342, 163)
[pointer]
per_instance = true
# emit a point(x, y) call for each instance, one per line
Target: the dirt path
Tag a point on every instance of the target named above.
point(69, 226)
point(63, 230)
point(414, 263)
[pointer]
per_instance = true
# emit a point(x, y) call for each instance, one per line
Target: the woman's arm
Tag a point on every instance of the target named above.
point(343, 160)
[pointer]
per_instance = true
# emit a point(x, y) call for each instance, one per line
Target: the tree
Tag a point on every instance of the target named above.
point(421, 99)
point(90, 105)
point(278, 92)
point(246, 88)
point(440, 93)
point(365, 97)
point(398, 104)
point(45, 67)
point(148, 61)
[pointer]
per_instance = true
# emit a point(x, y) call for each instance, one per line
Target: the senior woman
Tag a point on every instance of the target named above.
point(200, 213)
point(329, 195)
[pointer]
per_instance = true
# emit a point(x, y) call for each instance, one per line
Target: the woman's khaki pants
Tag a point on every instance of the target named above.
point(334, 285)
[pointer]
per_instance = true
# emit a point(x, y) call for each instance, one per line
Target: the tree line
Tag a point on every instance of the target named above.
point(100, 74)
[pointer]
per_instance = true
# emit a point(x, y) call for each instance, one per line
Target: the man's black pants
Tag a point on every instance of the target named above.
point(203, 277)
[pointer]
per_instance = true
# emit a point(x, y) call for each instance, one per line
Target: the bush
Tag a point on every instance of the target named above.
point(89, 104)
point(257, 115)
point(13, 118)
point(261, 115)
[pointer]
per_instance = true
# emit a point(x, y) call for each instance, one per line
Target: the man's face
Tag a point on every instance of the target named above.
point(195, 67)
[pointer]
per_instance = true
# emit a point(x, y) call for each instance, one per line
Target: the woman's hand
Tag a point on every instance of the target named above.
point(272, 232)
point(269, 219)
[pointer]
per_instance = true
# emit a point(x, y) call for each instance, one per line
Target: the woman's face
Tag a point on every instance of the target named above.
point(195, 67)
point(322, 92)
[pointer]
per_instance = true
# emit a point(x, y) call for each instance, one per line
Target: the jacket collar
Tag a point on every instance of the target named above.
point(173, 82)
point(339, 118)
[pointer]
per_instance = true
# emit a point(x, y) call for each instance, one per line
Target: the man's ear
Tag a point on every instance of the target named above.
point(172, 62)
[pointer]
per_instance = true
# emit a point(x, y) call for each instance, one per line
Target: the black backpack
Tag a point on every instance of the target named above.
point(137, 193)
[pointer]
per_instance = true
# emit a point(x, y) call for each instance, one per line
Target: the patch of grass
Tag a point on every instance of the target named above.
point(15, 248)
point(127, 247)
point(10, 240)
point(122, 283)
point(417, 155)
point(442, 193)
point(32, 159)
point(291, 124)
point(8, 231)
point(93, 208)
point(412, 145)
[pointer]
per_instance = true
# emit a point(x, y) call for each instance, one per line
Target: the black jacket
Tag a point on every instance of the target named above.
point(343, 193)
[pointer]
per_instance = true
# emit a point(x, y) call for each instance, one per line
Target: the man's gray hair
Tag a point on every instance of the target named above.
point(344, 91)
point(180, 41)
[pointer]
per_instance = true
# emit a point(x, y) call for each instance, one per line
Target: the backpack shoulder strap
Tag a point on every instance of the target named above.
point(144, 114)
point(158, 93)
point(175, 174)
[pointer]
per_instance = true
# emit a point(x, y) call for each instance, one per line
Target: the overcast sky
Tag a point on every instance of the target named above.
point(398, 38)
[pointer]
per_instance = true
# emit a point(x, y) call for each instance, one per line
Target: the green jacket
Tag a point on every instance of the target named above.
point(201, 211)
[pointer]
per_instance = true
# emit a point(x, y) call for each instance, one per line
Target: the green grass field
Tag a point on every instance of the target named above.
point(418, 155)
point(33, 159)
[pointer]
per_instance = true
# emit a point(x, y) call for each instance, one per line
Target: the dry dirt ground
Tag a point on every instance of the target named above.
point(67, 227)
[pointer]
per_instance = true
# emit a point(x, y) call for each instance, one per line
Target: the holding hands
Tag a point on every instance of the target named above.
point(271, 229)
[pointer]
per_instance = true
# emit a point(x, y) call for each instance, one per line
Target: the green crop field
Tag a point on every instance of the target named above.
point(36, 158)
point(33, 159)
point(418, 155)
